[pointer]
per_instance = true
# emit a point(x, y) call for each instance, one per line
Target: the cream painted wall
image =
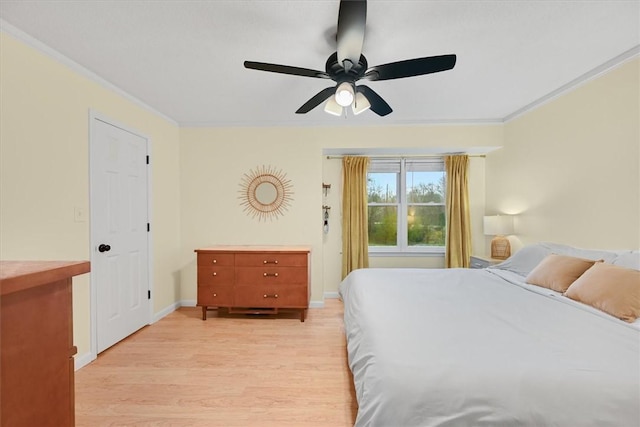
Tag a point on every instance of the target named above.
point(44, 171)
point(571, 168)
point(214, 160)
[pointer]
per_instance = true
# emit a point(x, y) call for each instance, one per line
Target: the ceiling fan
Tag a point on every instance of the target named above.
point(348, 65)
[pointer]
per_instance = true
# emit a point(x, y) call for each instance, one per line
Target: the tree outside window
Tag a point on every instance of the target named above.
point(412, 190)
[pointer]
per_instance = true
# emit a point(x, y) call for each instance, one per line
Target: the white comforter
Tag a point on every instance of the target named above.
point(462, 347)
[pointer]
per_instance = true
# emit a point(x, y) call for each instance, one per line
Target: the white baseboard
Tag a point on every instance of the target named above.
point(331, 295)
point(173, 307)
point(192, 303)
point(80, 361)
point(165, 311)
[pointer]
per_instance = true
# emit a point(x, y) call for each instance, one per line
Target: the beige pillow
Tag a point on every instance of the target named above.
point(557, 272)
point(610, 288)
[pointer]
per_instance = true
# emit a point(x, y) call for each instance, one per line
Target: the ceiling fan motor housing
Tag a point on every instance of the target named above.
point(339, 74)
point(342, 68)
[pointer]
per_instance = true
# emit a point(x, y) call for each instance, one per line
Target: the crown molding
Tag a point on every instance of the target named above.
point(342, 123)
point(31, 41)
point(575, 83)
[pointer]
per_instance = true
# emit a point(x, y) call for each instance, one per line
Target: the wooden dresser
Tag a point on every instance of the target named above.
point(36, 330)
point(254, 279)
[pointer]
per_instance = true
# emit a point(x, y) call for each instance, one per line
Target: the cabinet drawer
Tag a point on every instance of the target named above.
point(271, 296)
point(215, 296)
point(215, 276)
point(272, 259)
point(477, 262)
point(215, 258)
point(259, 276)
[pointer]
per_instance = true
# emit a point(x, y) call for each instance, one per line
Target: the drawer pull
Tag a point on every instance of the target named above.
point(270, 274)
point(270, 262)
point(215, 261)
point(270, 296)
point(214, 274)
point(215, 295)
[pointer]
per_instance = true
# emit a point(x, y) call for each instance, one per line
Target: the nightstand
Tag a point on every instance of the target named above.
point(478, 261)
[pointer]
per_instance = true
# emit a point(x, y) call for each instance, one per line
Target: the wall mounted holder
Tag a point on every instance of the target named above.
point(326, 188)
point(325, 225)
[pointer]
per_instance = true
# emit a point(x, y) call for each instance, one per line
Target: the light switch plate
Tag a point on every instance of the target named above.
point(79, 214)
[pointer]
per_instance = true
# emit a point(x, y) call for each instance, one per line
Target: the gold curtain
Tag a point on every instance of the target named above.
point(355, 236)
point(458, 246)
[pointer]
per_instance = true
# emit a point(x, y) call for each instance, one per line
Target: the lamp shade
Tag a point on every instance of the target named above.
point(361, 104)
point(498, 225)
point(344, 94)
point(332, 107)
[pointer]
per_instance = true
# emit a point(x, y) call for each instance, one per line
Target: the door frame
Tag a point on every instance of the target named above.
point(93, 116)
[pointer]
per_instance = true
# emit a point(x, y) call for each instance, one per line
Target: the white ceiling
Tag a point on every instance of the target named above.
point(185, 58)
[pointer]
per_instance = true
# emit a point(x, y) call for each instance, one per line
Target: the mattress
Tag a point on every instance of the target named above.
point(465, 347)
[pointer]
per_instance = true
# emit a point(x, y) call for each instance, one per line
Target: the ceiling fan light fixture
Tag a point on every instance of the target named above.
point(361, 104)
point(332, 107)
point(344, 94)
point(347, 66)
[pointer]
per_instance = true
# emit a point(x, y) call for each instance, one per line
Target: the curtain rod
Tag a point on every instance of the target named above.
point(396, 156)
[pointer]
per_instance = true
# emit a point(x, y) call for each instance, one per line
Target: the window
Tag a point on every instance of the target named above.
point(406, 205)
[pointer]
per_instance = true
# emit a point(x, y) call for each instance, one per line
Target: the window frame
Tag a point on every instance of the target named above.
point(402, 247)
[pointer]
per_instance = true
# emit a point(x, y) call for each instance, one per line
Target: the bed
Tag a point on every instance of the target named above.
point(481, 347)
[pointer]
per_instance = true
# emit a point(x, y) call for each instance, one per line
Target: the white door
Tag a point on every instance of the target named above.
point(119, 227)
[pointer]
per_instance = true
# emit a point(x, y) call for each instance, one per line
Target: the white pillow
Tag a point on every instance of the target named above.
point(592, 254)
point(527, 258)
point(629, 259)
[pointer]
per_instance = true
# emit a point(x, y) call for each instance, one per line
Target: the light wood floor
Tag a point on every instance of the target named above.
point(226, 371)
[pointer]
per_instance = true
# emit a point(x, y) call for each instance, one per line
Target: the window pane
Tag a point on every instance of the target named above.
point(382, 187)
point(425, 187)
point(383, 228)
point(426, 225)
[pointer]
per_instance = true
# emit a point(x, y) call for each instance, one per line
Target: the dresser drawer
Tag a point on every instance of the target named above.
point(259, 276)
point(272, 259)
point(215, 258)
point(215, 276)
point(271, 296)
point(215, 296)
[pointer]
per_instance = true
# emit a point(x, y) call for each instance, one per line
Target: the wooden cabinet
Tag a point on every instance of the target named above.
point(36, 332)
point(254, 279)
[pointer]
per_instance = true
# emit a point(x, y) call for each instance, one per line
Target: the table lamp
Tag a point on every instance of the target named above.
point(499, 226)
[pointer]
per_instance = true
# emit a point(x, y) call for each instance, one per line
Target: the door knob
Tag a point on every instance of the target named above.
point(104, 248)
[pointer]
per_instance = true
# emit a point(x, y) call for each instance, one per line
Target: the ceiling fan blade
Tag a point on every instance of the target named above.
point(285, 69)
point(352, 18)
point(378, 105)
point(411, 67)
point(318, 99)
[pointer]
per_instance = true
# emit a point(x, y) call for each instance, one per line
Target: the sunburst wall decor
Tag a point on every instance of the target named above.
point(265, 193)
